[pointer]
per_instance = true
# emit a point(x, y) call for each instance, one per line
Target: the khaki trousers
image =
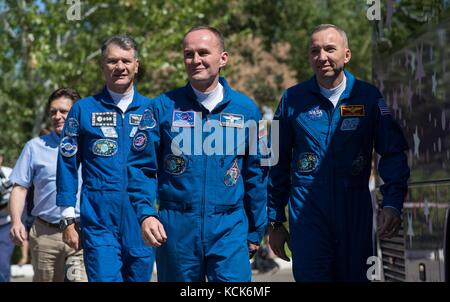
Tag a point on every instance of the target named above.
point(52, 259)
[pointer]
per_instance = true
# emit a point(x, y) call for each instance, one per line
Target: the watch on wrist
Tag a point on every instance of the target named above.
point(275, 225)
point(64, 223)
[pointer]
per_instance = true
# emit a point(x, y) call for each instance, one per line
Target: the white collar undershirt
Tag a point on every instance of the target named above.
point(334, 94)
point(210, 99)
point(122, 100)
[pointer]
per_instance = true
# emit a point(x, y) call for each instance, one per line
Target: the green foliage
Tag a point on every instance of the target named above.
point(41, 49)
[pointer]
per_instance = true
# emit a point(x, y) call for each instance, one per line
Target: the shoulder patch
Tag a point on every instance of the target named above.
point(384, 109)
point(72, 127)
point(68, 146)
point(147, 120)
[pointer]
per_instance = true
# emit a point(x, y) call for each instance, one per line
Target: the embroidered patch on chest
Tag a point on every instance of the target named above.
point(175, 165)
point(184, 119)
point(104, 147)
point(352, 110)
point(307, 162)
point(232, 120)
point(100, 119)
point(109, 132)
point(350, 124)
point(139, 141)
point(134, 119)
point(314, 114)
point(232, 175)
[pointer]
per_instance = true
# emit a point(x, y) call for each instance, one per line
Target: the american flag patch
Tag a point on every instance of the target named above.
point(384, 109)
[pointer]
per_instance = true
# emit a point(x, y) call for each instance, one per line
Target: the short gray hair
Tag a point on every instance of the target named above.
point(327, 26)
point(123, 41)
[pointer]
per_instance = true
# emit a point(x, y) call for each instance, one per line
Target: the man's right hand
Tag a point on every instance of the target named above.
point(18, 233)
point(277, 238)
point(71, 236)
point(153, 232)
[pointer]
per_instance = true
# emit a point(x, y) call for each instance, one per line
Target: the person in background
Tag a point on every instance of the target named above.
point(6, 245)
point(52, 259)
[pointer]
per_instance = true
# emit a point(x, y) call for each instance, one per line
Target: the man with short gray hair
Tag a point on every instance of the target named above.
point(98, 134)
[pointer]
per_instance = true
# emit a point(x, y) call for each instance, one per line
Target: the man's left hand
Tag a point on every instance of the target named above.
point(252, 249)
point(389, 223)
point(71, 236)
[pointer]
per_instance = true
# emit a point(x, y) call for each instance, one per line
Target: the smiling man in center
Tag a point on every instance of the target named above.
point(212, 204)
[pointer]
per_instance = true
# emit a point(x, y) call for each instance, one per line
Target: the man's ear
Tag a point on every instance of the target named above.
point(348, 55)
point(223, 59)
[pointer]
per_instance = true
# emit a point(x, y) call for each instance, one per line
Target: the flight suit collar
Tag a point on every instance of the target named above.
point(106, 98)
point(227, 91)
point(348, 91)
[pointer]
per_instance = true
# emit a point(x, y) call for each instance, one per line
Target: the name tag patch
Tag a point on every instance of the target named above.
point(134, 119)
point(350, 124)
point(183, 119)
point(104, 147)
point(232, 120)
point(352, 110)
point(100, 119)
point(109, 132)
point(133, 131)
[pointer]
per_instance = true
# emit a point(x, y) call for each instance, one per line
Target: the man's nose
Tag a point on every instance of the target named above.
point(120, 65)
point(322, 56)
point(196, 59)
point(58, 115)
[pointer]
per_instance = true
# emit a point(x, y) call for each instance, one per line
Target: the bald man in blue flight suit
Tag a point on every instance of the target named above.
point(329, 126)
point(98, 134)
point(212, 205)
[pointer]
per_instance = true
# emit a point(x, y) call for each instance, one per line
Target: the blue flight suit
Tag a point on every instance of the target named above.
point(98, 135)
point(210, 205)
point(323, 172)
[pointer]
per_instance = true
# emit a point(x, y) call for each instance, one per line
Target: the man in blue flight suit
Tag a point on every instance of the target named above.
point(98, 133)
point(329, 126)
point(212, 197)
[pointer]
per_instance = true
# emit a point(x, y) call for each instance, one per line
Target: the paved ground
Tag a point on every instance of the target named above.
point(284, 274)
